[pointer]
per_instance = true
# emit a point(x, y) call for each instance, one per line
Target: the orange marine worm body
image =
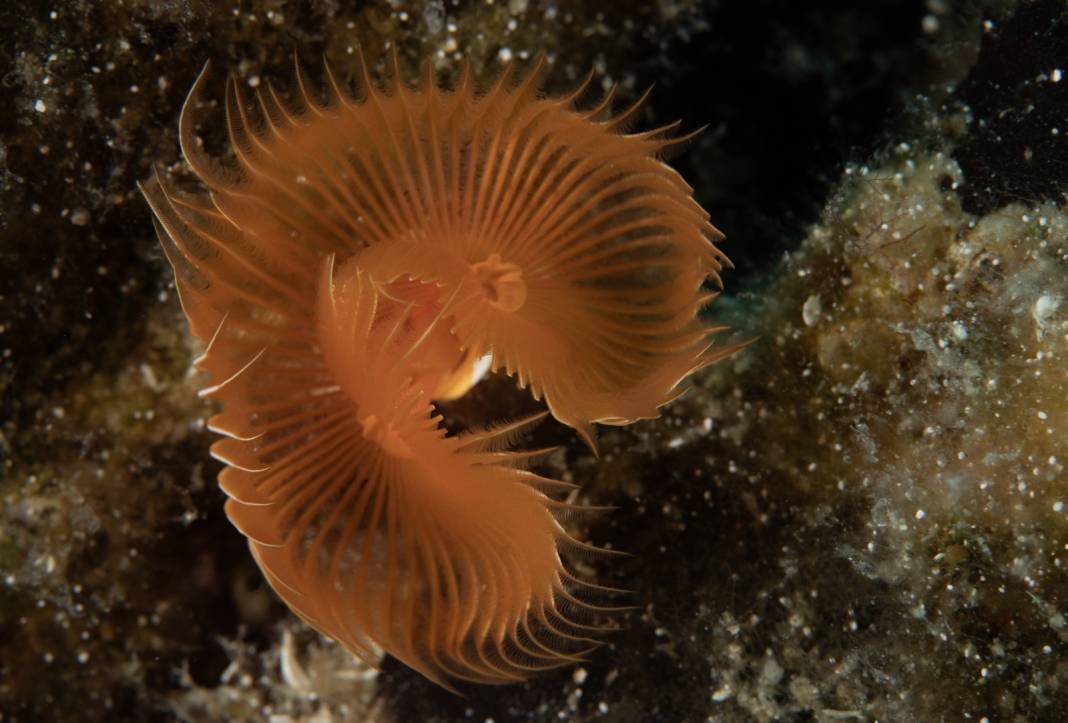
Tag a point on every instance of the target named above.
point(354, 262)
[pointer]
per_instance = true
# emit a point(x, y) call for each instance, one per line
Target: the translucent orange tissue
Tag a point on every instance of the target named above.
point(355, 261)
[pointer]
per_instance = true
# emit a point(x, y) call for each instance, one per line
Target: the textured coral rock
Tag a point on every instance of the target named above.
point(913, 440)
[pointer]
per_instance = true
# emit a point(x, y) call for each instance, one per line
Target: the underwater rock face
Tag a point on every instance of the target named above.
point(861, 517)
point(909, 461)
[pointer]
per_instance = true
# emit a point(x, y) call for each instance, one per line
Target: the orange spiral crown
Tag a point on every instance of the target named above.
point(355, 261)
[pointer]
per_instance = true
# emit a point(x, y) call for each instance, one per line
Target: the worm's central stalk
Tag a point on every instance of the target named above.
point(501, 283)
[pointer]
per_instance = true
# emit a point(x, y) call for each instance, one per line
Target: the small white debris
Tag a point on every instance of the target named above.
point(1043, 310)
point(40, 106)
point(292, 671)
point(773, 672)
point(434, 16)
point(811, 310)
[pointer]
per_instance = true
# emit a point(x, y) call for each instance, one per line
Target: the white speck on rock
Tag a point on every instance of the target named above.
point(811, 310)
point(773, 672)
point(292, 671)
point(1043, 311)
point(434, 16)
